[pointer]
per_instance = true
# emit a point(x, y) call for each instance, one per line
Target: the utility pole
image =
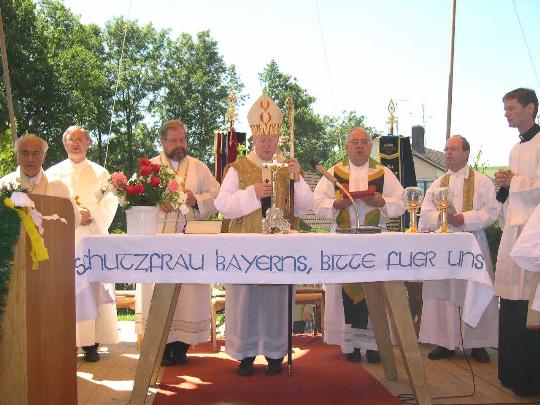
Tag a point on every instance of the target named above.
point(451, 75)
point(7, 82)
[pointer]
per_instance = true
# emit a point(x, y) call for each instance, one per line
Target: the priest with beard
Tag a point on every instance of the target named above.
point(191, 321)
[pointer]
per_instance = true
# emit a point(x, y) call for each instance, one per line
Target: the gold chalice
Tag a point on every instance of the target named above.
point(442, 197)
point(412, 198)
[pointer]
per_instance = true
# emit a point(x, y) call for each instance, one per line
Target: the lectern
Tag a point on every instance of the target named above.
point(37, 345)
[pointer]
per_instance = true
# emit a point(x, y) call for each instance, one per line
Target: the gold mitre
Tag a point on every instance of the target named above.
point(265, 117)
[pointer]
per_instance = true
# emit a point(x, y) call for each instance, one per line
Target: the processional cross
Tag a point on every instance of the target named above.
point(275, 222)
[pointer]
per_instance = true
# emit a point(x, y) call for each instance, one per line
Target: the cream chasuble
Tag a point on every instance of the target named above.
point(443, 299)
point(191, 321)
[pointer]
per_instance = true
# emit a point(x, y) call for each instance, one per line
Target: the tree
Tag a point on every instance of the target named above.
point(317, 138)
point(56, 75)
point(138, 87)
point(76, 54)
point(337, 129)
point(196, 81)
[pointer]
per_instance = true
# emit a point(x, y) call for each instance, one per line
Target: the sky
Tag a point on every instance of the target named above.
point(358, 55)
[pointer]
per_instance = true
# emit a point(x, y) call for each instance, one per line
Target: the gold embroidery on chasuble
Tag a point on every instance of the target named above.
point(248, 175)
point(375, 178)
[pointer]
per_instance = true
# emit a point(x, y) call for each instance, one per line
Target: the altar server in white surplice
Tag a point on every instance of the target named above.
point(191, 321)
point(256, 315)
point(85, 181)
point(474, 209)
point(346, 321)
point(519, 346)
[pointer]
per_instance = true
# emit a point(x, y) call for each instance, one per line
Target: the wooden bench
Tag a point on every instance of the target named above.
point(125, 299)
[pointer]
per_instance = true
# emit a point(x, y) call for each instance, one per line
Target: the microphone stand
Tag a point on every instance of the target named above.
point(356, 213)
point(334, 181)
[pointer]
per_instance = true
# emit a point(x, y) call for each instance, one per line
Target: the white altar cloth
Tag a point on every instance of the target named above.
point(297, 258)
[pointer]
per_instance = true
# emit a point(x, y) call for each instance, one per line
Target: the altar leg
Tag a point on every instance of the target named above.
point(396, 298)
point(162, 306)
point(379, 322)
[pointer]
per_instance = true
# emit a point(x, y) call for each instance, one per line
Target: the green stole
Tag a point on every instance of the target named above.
point(343, 220)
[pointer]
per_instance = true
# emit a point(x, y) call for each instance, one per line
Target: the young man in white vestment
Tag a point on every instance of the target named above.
point(85, 181)
point(256, 315)
point(474, 209)
point(30, 151)
point(346, 318)
point(191, 321)
point(519, 347)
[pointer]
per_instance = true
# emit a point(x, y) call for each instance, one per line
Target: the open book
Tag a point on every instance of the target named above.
point(202, 226)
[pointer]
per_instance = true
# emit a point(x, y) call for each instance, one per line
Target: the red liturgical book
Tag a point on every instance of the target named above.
point(364, 193)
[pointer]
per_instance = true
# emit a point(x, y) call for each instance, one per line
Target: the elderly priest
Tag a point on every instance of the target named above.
point(30, 151)
point(85, 181)
point(257, 315)
point(346, 313)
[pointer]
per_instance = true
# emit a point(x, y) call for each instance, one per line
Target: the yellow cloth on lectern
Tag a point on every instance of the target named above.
point(38, 251)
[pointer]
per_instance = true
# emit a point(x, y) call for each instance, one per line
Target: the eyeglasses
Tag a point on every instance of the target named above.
point(356, 142)
point(78, 139)
point(35, 154)
point(175, 141)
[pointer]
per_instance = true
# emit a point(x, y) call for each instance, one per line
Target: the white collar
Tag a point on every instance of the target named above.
point(463, 172)
point(364, 166)
point(80, 164)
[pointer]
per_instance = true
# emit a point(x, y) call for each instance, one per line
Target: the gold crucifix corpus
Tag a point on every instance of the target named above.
point(275, 222)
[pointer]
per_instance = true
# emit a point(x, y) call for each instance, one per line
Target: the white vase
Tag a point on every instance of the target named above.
point(142, 220)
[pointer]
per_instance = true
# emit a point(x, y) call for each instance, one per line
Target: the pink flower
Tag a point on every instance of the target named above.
point(119, 180)
point(155, 181)
point(173, 186)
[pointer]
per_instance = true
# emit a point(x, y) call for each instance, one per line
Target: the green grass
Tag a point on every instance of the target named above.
point(126, 317)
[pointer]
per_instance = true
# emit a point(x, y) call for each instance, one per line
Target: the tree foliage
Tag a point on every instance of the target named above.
point(64, 72)
point(196, 82)
point(317, 138)
point(123, 80)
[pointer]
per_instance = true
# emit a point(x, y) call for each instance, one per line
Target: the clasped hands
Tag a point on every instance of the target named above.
point(191, 201)
point(376, 200)
point(86, 216)
point(504, 177)
point(263, 190)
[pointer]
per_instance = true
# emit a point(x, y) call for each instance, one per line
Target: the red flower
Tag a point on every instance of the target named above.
point(144, 161)
point(155, 168)
point(130, 190)
point(139, 189)
point(145, 170)
point(155, 181)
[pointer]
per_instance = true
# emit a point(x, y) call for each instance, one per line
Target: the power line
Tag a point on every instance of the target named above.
point(118, 77)
point(526, 45)
point(326, 58)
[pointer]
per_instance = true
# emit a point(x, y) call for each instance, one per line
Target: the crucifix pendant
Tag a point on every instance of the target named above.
point(275, 221)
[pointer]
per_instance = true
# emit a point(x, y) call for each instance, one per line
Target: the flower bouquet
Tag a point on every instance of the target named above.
point(151, 186)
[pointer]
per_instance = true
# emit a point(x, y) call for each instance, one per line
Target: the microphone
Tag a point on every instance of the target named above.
point(324, 172)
